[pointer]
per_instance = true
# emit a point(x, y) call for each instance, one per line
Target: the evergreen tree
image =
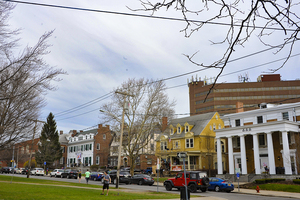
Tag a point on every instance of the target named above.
point(49, 149)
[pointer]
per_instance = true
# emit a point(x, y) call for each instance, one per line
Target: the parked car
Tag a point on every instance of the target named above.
point(96, 176)
point(124, 177)
point(148, 171)
point(6, 170)
point(218, 185)
point(56, 173)
point(194, 179)
point(19, 170)
point(142, 179)
point(69, 173)
point(37, 171)
point(24, 170)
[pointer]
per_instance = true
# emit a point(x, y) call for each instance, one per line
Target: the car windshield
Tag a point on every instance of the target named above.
point(60, 170)
point(127, 173)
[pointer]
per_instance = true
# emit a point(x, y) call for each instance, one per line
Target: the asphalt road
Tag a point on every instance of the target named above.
point(230, 196)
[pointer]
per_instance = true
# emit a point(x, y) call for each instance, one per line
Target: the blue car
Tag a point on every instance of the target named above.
point(96, 176)
point(218, 185)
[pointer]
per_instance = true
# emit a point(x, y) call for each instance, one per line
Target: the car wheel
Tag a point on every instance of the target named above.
point(140, 182)
point(35, 174)
point(61, 176)
point(95, 179)
point(205, 181)
point(193, 188)
point(228, 191)
point(217, 189)
point(115, 181)
point(203, 189)
point(68, 176)
point(168, 186)
point(151, 184)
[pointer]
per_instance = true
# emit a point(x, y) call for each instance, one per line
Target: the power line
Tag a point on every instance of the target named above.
point(139, 15)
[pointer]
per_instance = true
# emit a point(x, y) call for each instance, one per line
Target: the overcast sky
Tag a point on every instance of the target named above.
point(99, 51)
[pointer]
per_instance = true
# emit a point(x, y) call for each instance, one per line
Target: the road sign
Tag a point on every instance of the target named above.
point(237, 175)
point(181, 155)
point(44, 163)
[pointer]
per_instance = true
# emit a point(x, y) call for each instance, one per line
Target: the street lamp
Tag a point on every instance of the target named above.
point(121, 134)
point(29, 162)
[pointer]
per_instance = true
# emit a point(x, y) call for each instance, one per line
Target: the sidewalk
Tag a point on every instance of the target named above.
point(251, 192)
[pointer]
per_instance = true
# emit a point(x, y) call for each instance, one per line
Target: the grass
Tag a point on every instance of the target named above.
point(33, 189)
point(279, 187)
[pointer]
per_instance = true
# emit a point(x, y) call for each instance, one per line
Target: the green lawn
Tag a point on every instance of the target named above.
point(33, 189)
point(279, 187)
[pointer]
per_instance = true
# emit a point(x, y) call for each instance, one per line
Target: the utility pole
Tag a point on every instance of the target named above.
point(34, 129)
point(121, 136)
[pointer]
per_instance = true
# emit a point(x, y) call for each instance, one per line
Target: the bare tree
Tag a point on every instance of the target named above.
point(146, 109)
point(24, 79)
point(243, 19)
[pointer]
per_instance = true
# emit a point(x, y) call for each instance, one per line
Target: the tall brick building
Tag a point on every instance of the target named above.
point(223, 98)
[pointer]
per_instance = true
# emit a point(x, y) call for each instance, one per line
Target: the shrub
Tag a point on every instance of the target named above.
point(94, 167)
point(297, 181)
point(33, 164)
point(268, 180)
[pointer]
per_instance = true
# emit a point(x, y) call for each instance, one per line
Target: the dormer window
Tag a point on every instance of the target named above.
point(171, 131)
point(186, 128)
point(178, 129)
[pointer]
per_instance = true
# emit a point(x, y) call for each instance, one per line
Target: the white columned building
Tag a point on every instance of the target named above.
point(261, 140)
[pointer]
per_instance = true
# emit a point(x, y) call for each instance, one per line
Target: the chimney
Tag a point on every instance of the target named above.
point(61, 132)
point(74, 133)
point(239, 107)
point(81, 131)
point(164, 123)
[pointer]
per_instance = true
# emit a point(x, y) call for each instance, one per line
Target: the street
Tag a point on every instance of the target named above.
point(221, 195)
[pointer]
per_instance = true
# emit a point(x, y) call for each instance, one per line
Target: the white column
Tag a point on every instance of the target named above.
point(256, 154)
point(286, 153)
point(230, 156)
point(243, 154)
point(219, 156)
point(271, 154)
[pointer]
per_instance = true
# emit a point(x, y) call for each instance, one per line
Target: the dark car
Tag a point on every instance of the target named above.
point(24, 171)
point(69, 173)
point(218, 185)
point(142, 179)
point(124, 176)
point(96, 176)
point(6, 170)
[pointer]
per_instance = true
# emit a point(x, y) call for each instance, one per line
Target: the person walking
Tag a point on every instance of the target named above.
point(87, 176)
point(79, 176)
point(106, 182)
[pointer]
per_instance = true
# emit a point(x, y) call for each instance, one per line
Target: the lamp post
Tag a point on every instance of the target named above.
point(121, 134)
point(34, 129)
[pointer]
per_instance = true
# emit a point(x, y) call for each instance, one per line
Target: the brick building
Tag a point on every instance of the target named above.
point(223, 98)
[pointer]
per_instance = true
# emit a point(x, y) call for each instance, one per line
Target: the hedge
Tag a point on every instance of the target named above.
point(297, 181)
point(268, 180)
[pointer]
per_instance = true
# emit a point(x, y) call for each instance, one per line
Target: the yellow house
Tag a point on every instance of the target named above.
point(194, 135)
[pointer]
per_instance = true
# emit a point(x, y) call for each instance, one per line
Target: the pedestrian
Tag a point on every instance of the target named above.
point(87, 176)
point(79, 176)
point(106, 182)
point(47, 172)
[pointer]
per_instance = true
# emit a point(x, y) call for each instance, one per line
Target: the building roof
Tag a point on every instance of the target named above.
point(199, 122)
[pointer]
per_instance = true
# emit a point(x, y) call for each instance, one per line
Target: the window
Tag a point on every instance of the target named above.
point(149, 161)
point(97, 160)
point(222, 146)
point(98, 146)
point(285, 116)
point(189, 143)
point(236, 142)
point(214, 127)
point(178, 129)
point(171, 131)
point(163, 145)
point(61, 161)
point(152, 147)
point(81, 147)
point(186, 129)
point(262, 139)
point(104, 136)
point(90, 146)
point(22, 150)
point(237, 122)
point(259, 119)
point(176, 144)
point(27, 148)
point(63, 149)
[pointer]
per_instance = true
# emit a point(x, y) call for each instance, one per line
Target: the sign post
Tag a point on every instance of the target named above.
point(183, 156)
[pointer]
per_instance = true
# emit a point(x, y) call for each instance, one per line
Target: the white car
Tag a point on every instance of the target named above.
point(37, 171)
point(56, 173)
